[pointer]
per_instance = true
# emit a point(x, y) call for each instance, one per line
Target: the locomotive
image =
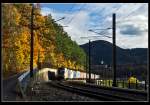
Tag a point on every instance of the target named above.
point(60, 73)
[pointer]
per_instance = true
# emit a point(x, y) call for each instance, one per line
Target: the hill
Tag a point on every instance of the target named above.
point(102, 50)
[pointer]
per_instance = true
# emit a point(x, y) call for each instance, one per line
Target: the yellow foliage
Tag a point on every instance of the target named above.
point(10, 13)
point(18, 39)
point(132, 80)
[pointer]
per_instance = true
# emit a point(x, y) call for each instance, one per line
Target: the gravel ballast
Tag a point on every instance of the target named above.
point(43, 91)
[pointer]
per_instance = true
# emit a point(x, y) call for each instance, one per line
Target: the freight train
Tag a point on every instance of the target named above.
point(65, 73)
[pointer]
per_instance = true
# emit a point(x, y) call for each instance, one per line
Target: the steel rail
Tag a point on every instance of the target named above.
point(139, 96)
point(91, 93)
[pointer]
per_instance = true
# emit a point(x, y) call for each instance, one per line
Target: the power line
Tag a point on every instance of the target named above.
point(125, 16)
point(76, 14)
point(70, 9)
point(105, 17)
point(132, 12)
point(116, 12)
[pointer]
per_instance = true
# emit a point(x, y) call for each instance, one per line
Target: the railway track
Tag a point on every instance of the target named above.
point(132, 94)
point(91, 92)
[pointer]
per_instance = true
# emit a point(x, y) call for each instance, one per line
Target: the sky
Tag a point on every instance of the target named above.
point(131, 22)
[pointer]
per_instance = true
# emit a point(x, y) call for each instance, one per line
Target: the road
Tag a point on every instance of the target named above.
point(9, 87)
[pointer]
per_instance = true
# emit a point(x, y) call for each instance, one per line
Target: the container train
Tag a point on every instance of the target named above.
point(65, 73)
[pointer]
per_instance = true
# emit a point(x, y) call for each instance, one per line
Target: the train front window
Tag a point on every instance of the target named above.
point(61, 71)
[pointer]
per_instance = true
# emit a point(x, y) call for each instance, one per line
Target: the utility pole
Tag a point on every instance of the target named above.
point(114, 49)
point(86, 67)
point(32, 40)
point(89, 61)
point(90, 51)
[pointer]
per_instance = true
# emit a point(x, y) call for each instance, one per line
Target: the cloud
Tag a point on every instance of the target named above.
point(132, 42)
point(132, 19)
point(131, 30)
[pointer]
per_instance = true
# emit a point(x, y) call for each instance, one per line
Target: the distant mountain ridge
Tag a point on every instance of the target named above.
point(102, 50)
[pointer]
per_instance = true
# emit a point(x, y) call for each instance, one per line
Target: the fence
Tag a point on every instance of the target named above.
point(124, 84)
point(24, 81)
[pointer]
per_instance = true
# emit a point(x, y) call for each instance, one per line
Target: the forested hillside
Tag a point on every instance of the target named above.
point(51, 43)
point(102, 50)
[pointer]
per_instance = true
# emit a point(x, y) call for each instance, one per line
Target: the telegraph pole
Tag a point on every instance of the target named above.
point(89, 61)
point(114, 49)
point(32, 40)
point(86, 66)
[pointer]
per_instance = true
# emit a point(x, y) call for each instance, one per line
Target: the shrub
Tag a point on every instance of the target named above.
point(133, 80)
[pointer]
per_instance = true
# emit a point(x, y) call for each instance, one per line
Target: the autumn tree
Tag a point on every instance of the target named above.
point(10, 25)
point(51, 43)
